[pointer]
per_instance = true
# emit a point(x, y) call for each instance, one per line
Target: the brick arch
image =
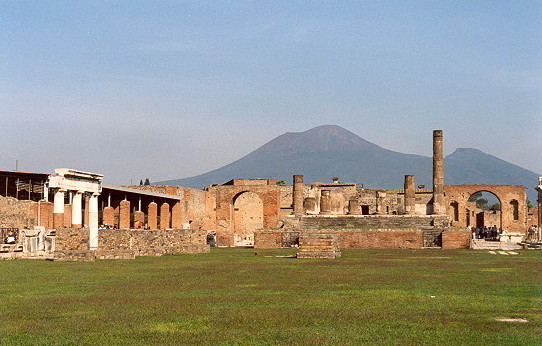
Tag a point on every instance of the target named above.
point(225, 199)
point(504, 193)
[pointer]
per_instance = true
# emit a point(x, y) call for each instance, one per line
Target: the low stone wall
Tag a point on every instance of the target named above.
point(456, 239)
point(73, 244)
point(268, 239)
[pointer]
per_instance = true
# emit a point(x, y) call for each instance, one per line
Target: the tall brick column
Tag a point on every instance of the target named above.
point(139, 219)
point(152, 215)
point(165, 216)
point(108, 217)
point(438, 174)
point(124, 214)
point(325, 202)
point(410, 195)
point(298, 195)
point(176, 215)
point(58, 209)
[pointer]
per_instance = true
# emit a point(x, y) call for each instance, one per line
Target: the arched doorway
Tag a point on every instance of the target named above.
point(484, 210)
point(247, 217)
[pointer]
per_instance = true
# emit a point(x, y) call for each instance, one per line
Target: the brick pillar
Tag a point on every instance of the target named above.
point(86, 209)
point(124, 214)
point(298, 195)
point(380, 198)
point(410, 195)
point(92, 220)
point(152, 215)
point(68, 215)
point(309, 205)
point(176, 215)
point(325, 202)
point(438, 174)
point(108, 217)
point(353, 207)
point(165, 216)
point(58, 209)
point(139, 219)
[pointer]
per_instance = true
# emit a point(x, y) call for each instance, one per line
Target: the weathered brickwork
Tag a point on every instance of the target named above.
point(512, 198)
point(318, 245)
point(456, 239)
point(16, 213)
point(268, 239)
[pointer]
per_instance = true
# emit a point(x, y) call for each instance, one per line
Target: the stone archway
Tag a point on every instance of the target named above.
point(512, 199)
point(247, 217)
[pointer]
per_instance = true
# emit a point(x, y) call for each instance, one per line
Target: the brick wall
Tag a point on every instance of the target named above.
point(268, 239)
point(319, 245)
point(456, 239)
point(15, 213)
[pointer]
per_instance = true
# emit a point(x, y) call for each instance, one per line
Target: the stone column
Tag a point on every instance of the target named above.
point(139, 216)
point(410, 195)
point(86, 210)
point(92, 207)
point(309, 205)
point(124, 214)
point(176, 215)
point(77, 212)
point(380, 198)
point(438, 174)
point(58, 209)
point(325, 202)
point(152, 215)
point(165, 216)
point(298, 195)
point(353, 207)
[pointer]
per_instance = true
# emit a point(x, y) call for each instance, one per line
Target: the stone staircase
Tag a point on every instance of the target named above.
point(482, 244)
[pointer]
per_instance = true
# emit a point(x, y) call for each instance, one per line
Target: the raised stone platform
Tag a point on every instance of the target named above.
point(318, 245)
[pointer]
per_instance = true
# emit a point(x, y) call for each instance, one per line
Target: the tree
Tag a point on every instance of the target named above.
point(482, 203)
point(281, 182)
point(141, 182)
point(529, 204)
point(147, 182)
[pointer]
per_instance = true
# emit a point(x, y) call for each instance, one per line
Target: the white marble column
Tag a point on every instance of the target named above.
point(58, 209)
point(77, 213)
point(93, 221)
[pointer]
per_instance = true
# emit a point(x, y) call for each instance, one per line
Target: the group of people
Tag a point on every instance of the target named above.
point(491, 233)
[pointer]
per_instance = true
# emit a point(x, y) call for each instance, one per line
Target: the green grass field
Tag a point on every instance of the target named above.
point(251, 297)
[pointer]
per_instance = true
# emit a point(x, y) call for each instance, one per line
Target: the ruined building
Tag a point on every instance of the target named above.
point(250, 212)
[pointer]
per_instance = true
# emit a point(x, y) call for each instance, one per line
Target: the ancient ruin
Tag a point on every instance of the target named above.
point(73, 215)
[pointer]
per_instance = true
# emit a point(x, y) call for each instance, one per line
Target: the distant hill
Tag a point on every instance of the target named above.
point(327, 151)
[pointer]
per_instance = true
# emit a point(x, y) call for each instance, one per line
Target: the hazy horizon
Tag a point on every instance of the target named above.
point(166, 90)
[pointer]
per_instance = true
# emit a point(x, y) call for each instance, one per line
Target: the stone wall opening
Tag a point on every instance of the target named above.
point(484, 210)
point(247, 217)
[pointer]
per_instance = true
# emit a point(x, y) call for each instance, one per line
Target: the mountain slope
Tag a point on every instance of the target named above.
point(329, 150)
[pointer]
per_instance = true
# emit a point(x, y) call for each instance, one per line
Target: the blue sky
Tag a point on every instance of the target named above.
point(171, 89)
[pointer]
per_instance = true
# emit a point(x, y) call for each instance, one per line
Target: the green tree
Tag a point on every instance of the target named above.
point(147, 182)
point(141, 182)
point(281, 182)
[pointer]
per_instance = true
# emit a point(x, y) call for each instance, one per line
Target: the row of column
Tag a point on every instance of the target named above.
point(169, 217)
point(353, 204)
point(77, 213)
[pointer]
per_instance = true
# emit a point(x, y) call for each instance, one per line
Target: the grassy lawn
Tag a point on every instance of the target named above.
point(235, 296)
